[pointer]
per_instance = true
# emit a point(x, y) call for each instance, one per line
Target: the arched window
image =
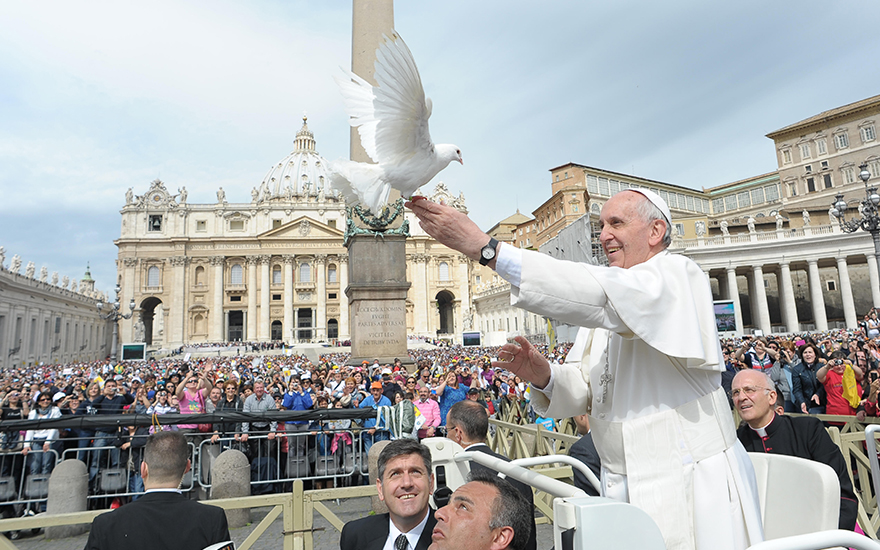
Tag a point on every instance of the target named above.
point(444, 271)
point(236, 274)
point(200, 275)
point(331, 273)
point(276, 275)
point(305, 273)
point(153, 276)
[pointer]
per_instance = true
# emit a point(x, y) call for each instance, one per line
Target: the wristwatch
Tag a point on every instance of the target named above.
point(487, 253)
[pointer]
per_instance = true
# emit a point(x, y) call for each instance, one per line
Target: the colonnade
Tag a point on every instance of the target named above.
point(790, 292)
point(256, 291)
point(40, 322)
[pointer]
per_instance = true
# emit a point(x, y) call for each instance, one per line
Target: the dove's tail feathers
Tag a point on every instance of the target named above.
point(360, 182)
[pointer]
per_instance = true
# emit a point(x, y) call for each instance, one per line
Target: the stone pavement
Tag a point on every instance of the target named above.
point(325, 536)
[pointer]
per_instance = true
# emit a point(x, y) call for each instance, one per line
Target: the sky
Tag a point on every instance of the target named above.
point(97, 97)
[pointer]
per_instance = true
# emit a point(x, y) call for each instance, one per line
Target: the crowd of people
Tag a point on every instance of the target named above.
point(246, 383)
point(834, 372)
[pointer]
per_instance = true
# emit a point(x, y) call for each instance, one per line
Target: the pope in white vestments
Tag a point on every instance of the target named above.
point(648, 367)
point(660, 421)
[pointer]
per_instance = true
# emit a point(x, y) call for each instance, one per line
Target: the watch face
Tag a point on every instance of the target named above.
point(488, 253)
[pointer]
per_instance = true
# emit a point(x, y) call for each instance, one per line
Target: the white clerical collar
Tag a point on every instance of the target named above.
point(762, 431)
point(412, 536)
point(163, 490)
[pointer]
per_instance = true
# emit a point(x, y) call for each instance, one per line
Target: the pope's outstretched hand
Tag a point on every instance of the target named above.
point(522, 359)
point(449, 226)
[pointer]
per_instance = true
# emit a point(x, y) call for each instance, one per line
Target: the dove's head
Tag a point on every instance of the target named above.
point(448, 153)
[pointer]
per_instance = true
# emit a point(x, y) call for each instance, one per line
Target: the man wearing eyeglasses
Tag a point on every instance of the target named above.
point(755, 399)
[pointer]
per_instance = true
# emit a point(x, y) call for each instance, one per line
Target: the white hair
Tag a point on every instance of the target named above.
point(648, 212)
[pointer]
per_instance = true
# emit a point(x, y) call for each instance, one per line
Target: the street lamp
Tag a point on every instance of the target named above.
point(869, 220)
point(114, 316)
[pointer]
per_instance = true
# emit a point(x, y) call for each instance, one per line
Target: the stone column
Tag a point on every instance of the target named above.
point(129, 291)
point(321, 286)
point(344, 323)
point(463, 284)
point(369, 21)
point(849, 306)
point(763, 312)
point(265, 286)
point(709, 280)
point(288, 334)
point(176, 328)
point(251, 330)
point(420, 293)
point(68, 492)
point(231, 474)
point(816, 297)
point(874, 278)
point(786, 296)
point(733, 294)
point(216, 334)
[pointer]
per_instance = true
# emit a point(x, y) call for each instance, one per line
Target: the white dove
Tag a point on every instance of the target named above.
point(392, 120)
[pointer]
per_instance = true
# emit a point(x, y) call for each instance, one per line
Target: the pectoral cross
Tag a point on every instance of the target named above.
point(605, 379)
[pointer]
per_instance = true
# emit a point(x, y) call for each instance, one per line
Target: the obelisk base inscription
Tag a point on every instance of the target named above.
point(377, 295)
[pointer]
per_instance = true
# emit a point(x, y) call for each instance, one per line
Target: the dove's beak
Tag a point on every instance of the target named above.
point(461, 161)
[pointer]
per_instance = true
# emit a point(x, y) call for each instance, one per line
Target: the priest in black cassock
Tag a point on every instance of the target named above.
point(754, 397)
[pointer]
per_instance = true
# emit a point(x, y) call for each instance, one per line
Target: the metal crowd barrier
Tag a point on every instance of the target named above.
point(22, 479)
point(113, 472)
point(304, 455)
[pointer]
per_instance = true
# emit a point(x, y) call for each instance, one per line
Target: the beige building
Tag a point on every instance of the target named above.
point(45, 319)
point(271, 269)
point(767, 241)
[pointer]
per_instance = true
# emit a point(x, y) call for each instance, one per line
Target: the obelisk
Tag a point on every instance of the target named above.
point(376, 263)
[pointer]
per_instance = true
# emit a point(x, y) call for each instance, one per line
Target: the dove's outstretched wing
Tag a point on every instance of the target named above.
point(392, 118)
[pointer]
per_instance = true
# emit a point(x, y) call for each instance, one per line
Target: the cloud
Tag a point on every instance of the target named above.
point(100, 97)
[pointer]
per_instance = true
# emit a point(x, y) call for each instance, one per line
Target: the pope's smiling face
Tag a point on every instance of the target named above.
point(626, 238)
point(405, 488)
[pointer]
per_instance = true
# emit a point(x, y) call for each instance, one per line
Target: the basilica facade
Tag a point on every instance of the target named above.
point(274, 269)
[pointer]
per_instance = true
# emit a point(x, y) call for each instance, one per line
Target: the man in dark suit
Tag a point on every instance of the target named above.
point(404, 482)
point(467, 423)
point(162, 518)
point(585, 451)
point(765, 431)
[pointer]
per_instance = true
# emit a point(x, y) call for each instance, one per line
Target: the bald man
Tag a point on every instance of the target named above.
point(754, 396)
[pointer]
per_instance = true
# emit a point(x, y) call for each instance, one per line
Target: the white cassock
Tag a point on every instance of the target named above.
point(649, 365)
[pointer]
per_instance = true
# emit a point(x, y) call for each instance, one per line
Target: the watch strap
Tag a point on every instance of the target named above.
point(493, 244)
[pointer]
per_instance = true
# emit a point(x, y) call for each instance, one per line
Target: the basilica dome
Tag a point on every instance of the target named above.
point(302, 173)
